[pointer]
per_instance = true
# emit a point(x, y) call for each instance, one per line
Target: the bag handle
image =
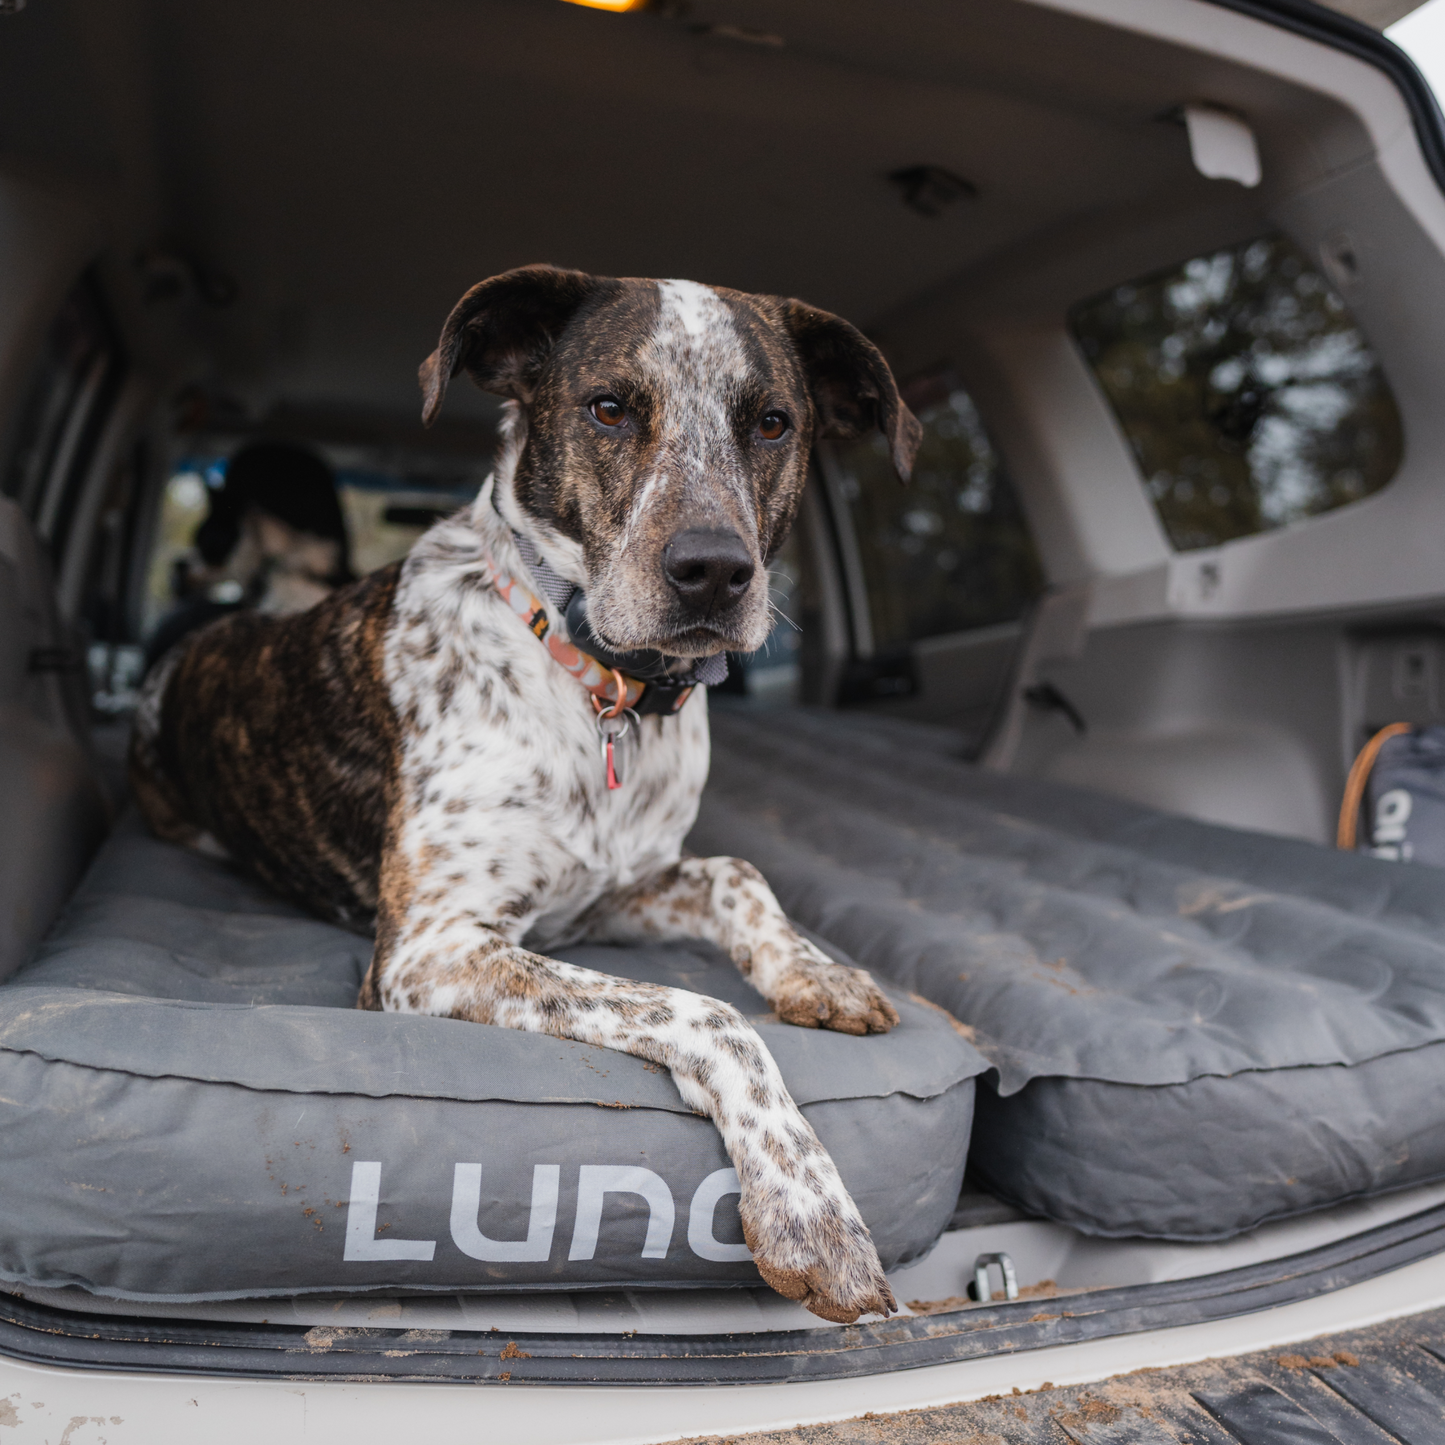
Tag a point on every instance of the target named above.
point(1360, 771)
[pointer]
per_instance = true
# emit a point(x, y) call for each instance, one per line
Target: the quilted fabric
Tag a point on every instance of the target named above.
point(1100, 952)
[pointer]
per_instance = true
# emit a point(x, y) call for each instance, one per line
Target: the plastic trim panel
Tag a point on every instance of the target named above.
point(1329, 27)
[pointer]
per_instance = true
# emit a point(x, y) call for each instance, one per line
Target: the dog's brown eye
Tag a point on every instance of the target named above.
point(772, 426)
point(608, 411)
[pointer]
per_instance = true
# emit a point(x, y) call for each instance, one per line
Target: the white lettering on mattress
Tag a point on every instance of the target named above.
point(467, 1200)
point(596, 1181)
point(700, 1238)
point(361, 1238)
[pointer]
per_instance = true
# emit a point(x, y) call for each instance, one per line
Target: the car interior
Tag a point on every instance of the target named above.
point(1173, 541)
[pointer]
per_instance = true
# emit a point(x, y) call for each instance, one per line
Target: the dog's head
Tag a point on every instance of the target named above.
point(659, 437)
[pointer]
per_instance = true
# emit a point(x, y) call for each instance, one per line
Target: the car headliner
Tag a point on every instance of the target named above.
point(353, 169)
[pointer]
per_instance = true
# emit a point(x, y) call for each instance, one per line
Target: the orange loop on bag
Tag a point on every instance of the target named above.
point(1360, 771)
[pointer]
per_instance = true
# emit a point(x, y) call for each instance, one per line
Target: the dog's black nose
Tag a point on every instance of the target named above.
point(709, 567)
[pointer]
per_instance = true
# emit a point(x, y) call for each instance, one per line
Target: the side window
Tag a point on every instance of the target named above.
point(1250, 397)
point(951, 550)
point(386, 513)
point(183, 508)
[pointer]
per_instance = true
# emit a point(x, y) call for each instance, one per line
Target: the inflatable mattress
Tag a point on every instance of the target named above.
point(1191, 1029)
point(191, 1108)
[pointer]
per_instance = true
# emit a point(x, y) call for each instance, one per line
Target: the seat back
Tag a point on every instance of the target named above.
point(55, 810)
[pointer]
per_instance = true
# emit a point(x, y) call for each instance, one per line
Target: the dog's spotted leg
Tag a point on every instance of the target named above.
point(728, 902)
point(804, 1230)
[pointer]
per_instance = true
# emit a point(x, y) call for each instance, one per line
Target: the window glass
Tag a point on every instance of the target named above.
point(951, 550)
point(183, 509)
point(1250, 397)
point(385, 512)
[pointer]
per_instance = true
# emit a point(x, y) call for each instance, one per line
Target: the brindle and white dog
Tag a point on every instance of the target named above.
point(408, 755)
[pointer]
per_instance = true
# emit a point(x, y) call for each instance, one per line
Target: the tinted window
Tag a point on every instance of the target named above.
point(1250, 397)
point(950, 550)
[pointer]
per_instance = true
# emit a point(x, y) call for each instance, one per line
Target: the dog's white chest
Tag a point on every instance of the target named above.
point(507, 811)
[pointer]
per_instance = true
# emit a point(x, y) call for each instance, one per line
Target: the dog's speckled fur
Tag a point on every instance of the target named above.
point(406, 755)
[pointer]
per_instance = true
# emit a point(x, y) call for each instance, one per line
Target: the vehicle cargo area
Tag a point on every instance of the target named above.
point(1053, 740)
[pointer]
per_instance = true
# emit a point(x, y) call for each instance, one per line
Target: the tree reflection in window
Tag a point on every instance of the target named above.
point(1250, 397)
point(951, 550)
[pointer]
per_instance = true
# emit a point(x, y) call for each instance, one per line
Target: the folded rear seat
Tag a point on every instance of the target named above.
point(1191, 1029)
point(191, 1108)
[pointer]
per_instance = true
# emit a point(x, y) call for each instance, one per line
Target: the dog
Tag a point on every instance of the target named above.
point(479, 774)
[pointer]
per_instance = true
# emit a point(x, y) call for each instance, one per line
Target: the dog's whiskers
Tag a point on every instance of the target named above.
point(776, 612)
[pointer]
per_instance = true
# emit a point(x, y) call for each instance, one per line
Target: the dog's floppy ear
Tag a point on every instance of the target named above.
point(852, 387)
point(501, 332)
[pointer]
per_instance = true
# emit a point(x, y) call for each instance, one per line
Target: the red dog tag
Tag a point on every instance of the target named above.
point(612, 731)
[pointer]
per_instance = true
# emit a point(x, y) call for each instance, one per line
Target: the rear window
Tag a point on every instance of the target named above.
point(385, 511)
point(949, 551)
point(1249, 395)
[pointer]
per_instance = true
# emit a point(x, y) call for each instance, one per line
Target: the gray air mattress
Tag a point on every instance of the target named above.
point(1191, 1029)
point(191, 1108)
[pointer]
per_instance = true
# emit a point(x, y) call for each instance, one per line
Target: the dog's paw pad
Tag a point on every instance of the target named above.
point(830, 995)
point(840, 1288)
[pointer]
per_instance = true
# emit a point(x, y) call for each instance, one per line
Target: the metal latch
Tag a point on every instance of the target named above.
point(980, 1290)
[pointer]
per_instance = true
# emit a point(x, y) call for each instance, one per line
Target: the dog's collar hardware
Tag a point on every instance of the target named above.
point(663, 688)
point(610, 687)
point(613, 725)
point(666, 691)
point(602, 682)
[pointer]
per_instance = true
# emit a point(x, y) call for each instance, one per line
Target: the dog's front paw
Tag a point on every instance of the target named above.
point(829, 1265)
point(817, 993)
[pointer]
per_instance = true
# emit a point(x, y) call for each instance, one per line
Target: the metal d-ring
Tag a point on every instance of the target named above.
point(1005, 1264)
point(624, 720)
